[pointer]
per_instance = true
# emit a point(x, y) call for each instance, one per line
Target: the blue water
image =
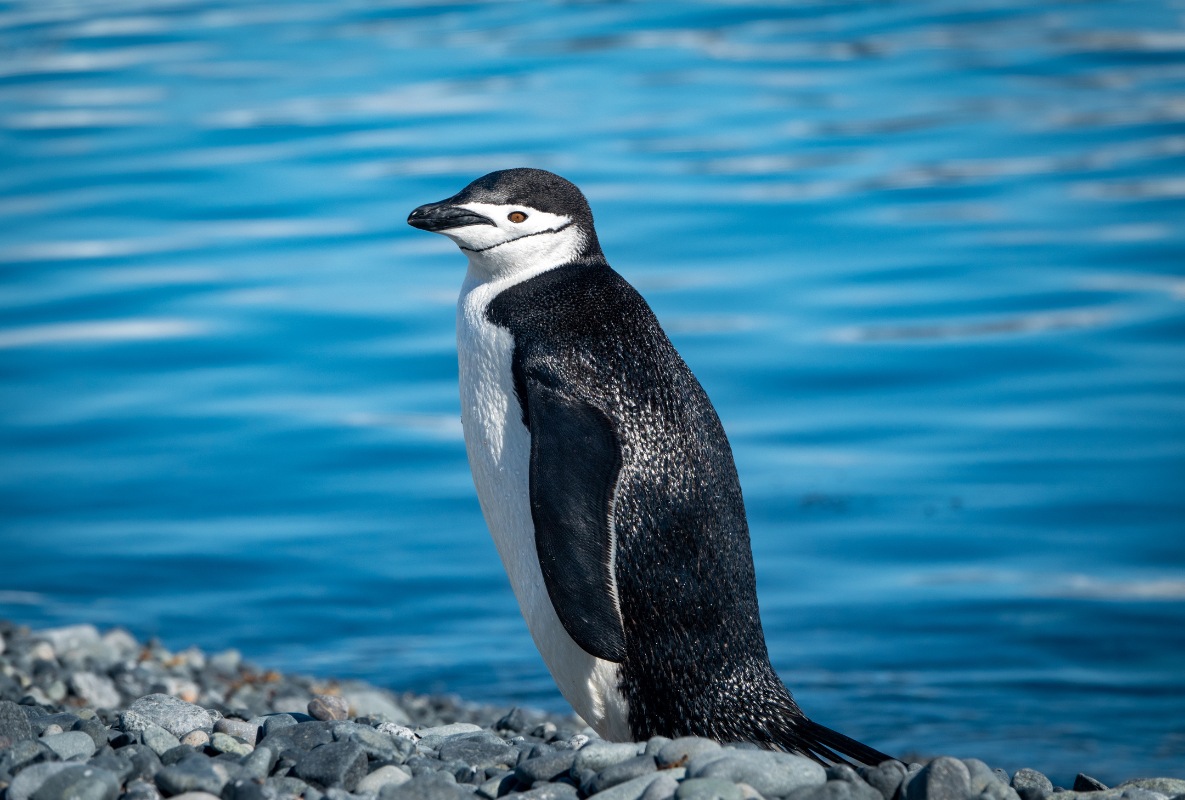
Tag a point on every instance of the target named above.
point(928, 259)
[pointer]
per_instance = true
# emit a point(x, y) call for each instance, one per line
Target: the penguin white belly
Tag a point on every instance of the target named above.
point(499, 448)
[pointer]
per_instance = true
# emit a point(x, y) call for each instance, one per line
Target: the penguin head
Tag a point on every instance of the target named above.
point(515, 220)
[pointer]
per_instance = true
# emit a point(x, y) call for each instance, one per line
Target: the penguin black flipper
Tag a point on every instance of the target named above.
point(575, 461)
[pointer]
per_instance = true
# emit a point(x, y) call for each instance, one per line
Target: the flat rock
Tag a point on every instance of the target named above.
point(336, 764)
point(71, 744)
point(175, 716)
point(770, 773)
point(79, 782)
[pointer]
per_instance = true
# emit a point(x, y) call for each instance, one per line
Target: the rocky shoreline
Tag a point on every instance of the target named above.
point(100, 716)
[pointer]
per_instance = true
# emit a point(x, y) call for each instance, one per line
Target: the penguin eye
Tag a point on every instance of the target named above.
point(516, 216)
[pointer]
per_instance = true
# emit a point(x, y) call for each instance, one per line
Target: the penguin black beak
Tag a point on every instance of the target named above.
point(438, 217)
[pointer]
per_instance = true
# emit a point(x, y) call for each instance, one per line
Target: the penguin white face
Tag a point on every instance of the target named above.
point(520, 220)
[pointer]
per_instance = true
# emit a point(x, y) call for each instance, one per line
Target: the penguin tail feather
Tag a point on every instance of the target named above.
point(826, 746)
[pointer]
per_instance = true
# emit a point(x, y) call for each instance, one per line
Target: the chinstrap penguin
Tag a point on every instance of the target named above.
point(607, 481)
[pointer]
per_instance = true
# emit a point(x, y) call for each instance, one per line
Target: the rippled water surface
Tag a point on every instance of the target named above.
point(928, 259)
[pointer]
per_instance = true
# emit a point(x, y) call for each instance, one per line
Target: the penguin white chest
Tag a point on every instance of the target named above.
point(499, 449)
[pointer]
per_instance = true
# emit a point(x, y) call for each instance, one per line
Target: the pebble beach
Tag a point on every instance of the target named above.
point(97, 715)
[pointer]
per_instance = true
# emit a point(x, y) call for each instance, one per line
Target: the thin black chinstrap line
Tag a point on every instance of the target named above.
point(524, 236)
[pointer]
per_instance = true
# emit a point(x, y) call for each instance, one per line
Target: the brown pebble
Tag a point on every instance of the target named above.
point(328, 707)
point(197, 738)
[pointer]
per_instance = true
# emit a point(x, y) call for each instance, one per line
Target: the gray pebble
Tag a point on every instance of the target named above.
point(70, 637)
point(276, 722)
point(621, 772)
point(481, 750)
point(378, 746)
point(944, 778)
point(396, 731)
point(664, 786)
point(259, 764)
point(708, 789)
point(328, 707)
point(21, 753)
point(240, 729)
point(79, 782)
point(14, 725)
point(430, 786)
point(120, 768)
point(545, 731)
point(376, 704)
point(299, 738)
point(545, 768)
point(190, 775)
point(512, 720)
point(287, 786)
point(195, 739)
point(678, 752)
point(598, 754)
point(249, 789)
point(29, 779)
point(141, 790)
point(654, 744)
point(1031, 784)
point(225, 743)
point(175, 716)
point(383, 776)
point(549, 791)
point(1170, 787)
point(631, 789)
point(93, 728)
point(96, 690)
point(145, 762)
point(336, 764)
point(770, 773)
point(836, 790)
point(886, 777)
point(433, 737)
point(72, 744)
point(158, 739)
